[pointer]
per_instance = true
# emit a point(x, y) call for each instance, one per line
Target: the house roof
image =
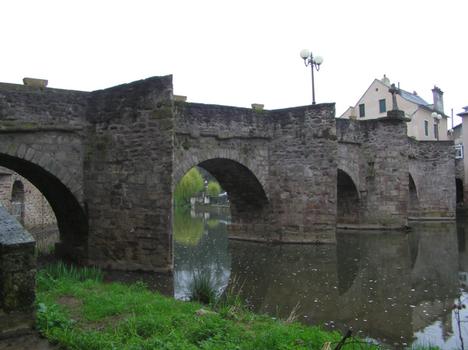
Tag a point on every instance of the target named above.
point(413, 98)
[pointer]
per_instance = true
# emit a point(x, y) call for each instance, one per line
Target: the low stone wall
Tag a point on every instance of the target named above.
point(17, 277)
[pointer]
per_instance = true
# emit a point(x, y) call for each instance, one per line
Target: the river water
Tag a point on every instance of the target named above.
point(396, 288)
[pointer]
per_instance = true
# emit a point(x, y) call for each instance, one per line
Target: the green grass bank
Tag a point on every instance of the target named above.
point(78, 311)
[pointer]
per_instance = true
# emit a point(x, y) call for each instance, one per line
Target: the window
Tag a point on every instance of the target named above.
point(426, 128)
point(436, 131)
point(382, 106)
point(362, 110)
point(459, 151)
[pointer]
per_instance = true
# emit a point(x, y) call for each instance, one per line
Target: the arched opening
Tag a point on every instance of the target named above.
point(27, 204)
point(347, 200)
point(247, 197)
point(71, 219)
point(413, 203)
point(224, 192)
point(17, 201)
point(459, 191)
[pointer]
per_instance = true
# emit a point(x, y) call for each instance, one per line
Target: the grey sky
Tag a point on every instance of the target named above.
point(240, 52)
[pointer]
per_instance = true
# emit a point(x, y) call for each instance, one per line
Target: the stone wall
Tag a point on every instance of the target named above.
point(17, 276)
point(38, 213)
point(107, 161)
point(385, 152)
point(128, 176)
point(374, 154)
point(275, 166)
point(432, 166)
point(42, 132)
point(303, 170)
point(232, 144)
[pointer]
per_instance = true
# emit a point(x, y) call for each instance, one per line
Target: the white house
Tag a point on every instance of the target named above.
point(428, 121)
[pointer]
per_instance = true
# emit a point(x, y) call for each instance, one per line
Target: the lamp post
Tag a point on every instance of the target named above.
point(437, 117)
point(313, 62)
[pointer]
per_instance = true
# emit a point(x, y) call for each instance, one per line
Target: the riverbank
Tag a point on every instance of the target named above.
point(77, 310)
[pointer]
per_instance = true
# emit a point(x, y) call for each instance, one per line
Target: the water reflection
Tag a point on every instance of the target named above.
point(397, 288)
point(200, 247)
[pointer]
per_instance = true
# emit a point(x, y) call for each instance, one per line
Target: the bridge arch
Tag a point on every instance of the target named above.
point(246, 193)
point(17, 200)
point(348, 199)
point(71, 217)
point(413, 203)
point(194, 157)
point(459, 191)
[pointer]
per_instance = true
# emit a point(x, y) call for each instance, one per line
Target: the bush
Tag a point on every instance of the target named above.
point(202, 289)
point(213, 189)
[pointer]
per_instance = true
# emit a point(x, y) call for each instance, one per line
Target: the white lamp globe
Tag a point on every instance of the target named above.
point(434, 115)
point(439, 117)
point(318, 60)
point(305, 54)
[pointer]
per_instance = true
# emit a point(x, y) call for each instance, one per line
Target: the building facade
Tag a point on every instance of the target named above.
point(459, 135)
point(25, 202)
point(428, 122)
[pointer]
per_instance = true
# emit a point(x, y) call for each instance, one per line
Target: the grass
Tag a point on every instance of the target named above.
point(202, 290)
point(78, 311)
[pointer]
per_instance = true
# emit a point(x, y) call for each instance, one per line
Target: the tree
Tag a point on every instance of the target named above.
point(191, 184)
point(213, 189)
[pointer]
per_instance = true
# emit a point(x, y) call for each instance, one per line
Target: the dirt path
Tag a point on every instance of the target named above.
point(26, 342)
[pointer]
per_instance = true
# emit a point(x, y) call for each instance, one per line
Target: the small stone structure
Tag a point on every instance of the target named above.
point(107, 161)
point(17, 276)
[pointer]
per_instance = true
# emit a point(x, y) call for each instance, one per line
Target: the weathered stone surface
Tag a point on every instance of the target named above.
point(275, 165)
point(17, 276)
point(108, 160)
point(432, 167)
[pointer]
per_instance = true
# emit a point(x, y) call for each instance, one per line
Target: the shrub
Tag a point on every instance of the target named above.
point(213, 189)
point(202, 289)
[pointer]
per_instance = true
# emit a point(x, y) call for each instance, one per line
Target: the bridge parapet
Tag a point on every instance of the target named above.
point(31, 108)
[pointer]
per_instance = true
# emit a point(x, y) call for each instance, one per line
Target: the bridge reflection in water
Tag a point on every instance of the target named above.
point(395, 287)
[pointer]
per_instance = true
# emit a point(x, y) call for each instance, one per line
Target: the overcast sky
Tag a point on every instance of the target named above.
point(241, 52)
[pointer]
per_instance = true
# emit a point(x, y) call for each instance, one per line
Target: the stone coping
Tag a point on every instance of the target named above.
point(432, 218)
point(11, 232)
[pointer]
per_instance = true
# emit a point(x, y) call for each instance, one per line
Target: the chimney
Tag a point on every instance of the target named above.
point(385, 80)
point(438, 99)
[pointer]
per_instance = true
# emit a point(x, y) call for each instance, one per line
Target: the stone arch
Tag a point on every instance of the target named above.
point(459, 191)
point(413, 203)
point(191, 159)
point(17, 201)
point(348, 200)
point(71, 217)
point(247, 196)
point(47, 162)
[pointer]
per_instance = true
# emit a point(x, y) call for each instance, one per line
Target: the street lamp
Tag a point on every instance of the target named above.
point(310, 60)
point(437, 117)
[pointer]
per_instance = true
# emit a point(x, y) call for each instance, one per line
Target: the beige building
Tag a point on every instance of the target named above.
point(460, 136)
point(427, 121)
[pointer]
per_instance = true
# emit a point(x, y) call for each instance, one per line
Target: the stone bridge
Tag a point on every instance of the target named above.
point(108, 161)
